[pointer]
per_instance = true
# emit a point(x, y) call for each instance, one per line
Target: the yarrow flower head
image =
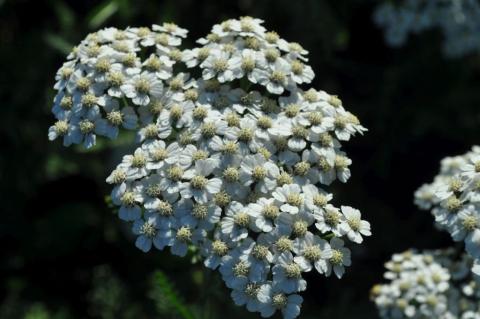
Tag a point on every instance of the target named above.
point(430, 284)
point(233, 162)
point(454, 200)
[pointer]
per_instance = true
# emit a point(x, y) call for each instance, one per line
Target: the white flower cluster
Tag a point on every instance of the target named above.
point(112, 80)
point(432, 284)
point(454, 200)
point(231, 163)
point(459, 21)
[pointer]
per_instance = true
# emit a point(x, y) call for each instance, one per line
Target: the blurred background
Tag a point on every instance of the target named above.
point(64, 255)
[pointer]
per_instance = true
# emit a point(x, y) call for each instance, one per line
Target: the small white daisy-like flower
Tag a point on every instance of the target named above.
point(230, 151)
point(82, 130)
point(114, 80)
point(287, 274)
point(216, 251)
point(294, 49)
point(472, 168)
point(234, 271)
point(247, 63)
point(341, 165)
point(151, 132)
point(129, 201)
point(312, 251)
point(340, 258)
point(330, 219)
point(61, 128)
point(291, 198)
point(171, 182)
point(142, 87)
point(301, 73)
point(315, 198)
point(259, 257)
point(424, 196)
point(162, 66)
point(244, 134)
point(344, 125)
point(218, 65)
point(179, 237)
point(273, 299)
point(264, 212)
point(135, 165)
point(209, 128)
point(150, 113)
point(165, 210)
point(150, 190)
point(63, 75)
point(199, 186)
point(196, 56)
point(236, 222)
point(256, 169)
point(115, 118)
point(148, 232)
point(160, 155)
point(296, 224)
point(354, 226)
point(62, 106)
point(200, 216)
point(246, 294)
point(172, 29)
point(326, 168)
point(247, 26)
point(326, 146)
point(130, 62)
point(276, 79)
point(467, 222)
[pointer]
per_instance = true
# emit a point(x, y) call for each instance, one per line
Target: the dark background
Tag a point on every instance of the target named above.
point(65, 255)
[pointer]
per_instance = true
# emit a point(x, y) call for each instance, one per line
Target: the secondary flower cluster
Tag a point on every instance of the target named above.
point(454, 200)
point(459, 21)
point(112, 80)
point(232, 163)
point(432, 284)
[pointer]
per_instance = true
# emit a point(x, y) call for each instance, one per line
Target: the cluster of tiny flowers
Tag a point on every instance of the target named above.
point(459, 21)
point(454, 200)
point(114, 80)
point(432, 284)
point(235, 169)
point(243, 49)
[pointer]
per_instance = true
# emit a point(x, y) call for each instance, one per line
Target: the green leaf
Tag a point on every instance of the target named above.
point(108, 295)
point(65, 15)
point(166, 298)
point(56, 166)
point(102, 13)
point(124, 8)
point(37, 311)
point(58, 43)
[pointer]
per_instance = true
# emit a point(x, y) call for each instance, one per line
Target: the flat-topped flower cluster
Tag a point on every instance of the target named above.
point(233, 156)
point(113, 80)
point(454, 200)
point(430, 284)
point(458, 20)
